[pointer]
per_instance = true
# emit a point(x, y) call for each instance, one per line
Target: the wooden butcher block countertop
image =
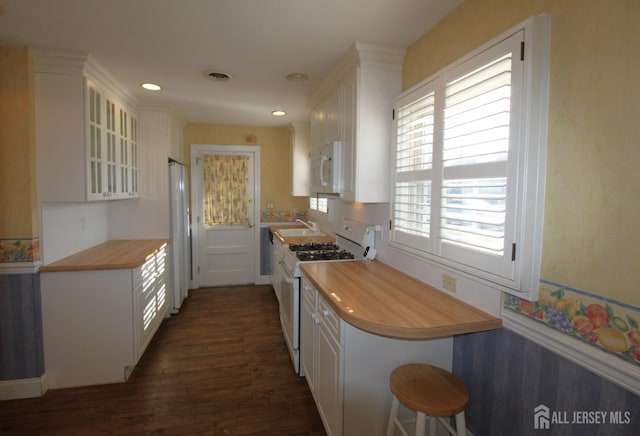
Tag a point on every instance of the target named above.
point(298, 239)
point(382, 300)
point(116, 254)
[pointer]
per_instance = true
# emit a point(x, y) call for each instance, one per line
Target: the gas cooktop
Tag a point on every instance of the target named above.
point(307, 256)
point(319, 251)
point(313, 246)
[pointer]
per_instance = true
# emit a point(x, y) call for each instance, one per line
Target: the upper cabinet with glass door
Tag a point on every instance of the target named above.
point(112, 146)
point(86, 130)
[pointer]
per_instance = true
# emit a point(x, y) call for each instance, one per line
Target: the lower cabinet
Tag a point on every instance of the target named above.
point(308, 333)
point(348, 369)
point(150, 302)
point(323, 357)
point(97, 324)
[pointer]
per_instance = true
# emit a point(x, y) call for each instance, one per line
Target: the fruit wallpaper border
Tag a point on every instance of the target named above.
point(605, 323)
point(19, 250)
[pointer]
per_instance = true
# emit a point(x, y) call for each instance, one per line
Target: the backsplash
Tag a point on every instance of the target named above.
point(281, 216)
point(602, 322)
point(19, 250)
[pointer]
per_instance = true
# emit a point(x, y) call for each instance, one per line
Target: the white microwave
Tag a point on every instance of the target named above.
point(326, 169)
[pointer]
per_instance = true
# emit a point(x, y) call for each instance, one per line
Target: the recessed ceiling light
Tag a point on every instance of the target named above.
point(278, 113)
point(151, 86)
point(216, 76)
point(297, 77)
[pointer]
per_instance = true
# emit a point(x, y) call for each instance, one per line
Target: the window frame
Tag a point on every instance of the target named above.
point(319, 204)
point(527, 162)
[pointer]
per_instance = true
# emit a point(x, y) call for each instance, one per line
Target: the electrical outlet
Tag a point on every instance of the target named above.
point(449, 283)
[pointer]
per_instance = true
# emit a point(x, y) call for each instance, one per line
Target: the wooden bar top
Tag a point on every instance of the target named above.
point(116, 254)
point(382, 300)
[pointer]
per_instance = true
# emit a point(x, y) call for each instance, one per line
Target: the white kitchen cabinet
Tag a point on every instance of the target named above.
point(323, 357)
point(299, 149)
point(86, 130)
point(127, 153)
point(97, 323)
point(348, 369)
point(368, 92)
point(150, 303)
point(330, 371)
point(308, 334)
point(363, 85)
point(112, 145)
point(327, 120)
point(276, 276)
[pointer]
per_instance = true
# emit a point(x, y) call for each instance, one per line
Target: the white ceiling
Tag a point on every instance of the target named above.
point(257, 42)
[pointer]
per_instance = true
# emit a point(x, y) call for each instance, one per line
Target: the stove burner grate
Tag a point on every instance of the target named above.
point(313, 246)
point(307, 256)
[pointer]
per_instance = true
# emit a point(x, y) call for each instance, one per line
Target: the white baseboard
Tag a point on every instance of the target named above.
point(23, 388)
point(263, 280)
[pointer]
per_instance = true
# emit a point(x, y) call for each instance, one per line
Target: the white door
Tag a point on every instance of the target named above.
point(224, 201)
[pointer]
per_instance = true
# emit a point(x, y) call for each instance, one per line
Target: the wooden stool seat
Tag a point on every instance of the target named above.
point(428, 390)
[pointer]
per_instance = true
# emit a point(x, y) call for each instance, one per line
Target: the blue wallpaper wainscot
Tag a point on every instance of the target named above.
point(21, 344)
point(508, 376)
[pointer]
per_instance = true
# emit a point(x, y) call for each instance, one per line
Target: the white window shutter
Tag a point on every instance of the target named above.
point(479, 135)
point(469, 161)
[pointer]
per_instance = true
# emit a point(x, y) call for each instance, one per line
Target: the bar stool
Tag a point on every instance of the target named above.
point(431, 391)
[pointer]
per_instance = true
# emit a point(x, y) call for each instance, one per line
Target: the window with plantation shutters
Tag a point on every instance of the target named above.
point(467, 163)
point(320, 204)
point(414, 171)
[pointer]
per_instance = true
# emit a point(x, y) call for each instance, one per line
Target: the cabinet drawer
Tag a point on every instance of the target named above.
point(308, 293)
point(329, 319)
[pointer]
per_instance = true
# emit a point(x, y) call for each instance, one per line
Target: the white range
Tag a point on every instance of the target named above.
point(353, 239)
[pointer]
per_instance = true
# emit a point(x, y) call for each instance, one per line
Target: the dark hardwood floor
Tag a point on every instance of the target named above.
point(219, 367)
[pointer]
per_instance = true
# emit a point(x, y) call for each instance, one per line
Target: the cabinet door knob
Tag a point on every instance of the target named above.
point(325, 312)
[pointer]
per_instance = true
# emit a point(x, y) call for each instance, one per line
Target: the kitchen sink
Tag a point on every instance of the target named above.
point(292, 233)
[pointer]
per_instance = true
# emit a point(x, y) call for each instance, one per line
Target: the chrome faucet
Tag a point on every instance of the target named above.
point(310, 225)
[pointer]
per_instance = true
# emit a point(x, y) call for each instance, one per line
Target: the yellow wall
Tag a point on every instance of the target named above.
point(275, 175)
point(19, 217)
point(591, 238)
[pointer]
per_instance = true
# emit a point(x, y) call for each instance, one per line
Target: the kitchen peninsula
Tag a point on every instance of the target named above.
point(384, 301)
point(100, 309)
point(360, 320)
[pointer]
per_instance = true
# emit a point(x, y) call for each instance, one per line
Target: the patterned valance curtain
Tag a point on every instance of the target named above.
point(226, 179)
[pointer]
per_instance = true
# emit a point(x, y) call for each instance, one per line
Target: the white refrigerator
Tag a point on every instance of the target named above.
point(180, 246)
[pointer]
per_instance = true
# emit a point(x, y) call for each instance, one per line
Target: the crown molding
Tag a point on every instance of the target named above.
point(80, 63)
point(367, 56)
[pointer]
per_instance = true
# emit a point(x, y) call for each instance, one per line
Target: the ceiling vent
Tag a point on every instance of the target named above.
point(216, 76)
